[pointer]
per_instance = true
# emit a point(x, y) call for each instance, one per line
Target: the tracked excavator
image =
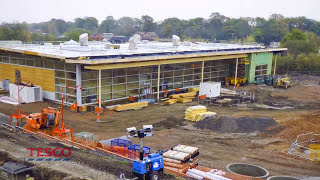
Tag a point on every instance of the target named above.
point(48, 118)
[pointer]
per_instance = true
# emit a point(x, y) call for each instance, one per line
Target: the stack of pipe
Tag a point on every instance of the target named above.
point(176, 161)
point(192, 151)
point(197, 174)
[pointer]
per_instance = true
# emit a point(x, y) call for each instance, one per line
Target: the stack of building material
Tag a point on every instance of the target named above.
point(198, 113)
point(194, 89)
point(192, 151)
point(176, 161)
point(184, 97)
point(170, 101)
point(198, 174)
point(131, 106)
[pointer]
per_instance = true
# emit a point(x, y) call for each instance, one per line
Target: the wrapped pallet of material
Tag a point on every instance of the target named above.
point(198, 113)
point(176, 155)
point(194, 89)
point(174, 96)
point(202, 116)
point(170, 101)
point(183, 95)
point(131, 106)
point(184, 100)
point(192, 111)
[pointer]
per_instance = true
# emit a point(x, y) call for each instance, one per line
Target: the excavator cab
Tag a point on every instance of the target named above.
point(48, 118)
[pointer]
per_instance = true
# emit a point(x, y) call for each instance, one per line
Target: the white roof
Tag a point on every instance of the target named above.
point(97, 50)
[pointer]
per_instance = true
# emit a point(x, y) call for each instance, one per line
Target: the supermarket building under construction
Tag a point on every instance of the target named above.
point(114, 72)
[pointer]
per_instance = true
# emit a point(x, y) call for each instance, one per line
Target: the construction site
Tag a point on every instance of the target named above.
point(155, 110)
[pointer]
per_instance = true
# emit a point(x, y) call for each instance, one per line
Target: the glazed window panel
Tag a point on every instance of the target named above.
point(147, 69)
point(133, 92)
point(132, 71)
point(133, 85)
point(107, 96)
point(119, 72)
point(119, 94)
point(106, 81)
point(48, 63)
point(60, 82)
point(118, 80)
point(85, 75)
point(133, 78)
point(59, 65)
point(71, 67)
point(39, 62)
point(105, 74)
point(60, 74)
point(89, 83)
point(106, 89)
point(70, 83)
point(70, 75)
point(119, 87)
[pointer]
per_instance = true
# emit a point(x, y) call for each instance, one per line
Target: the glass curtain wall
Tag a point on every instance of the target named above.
point(121, 83)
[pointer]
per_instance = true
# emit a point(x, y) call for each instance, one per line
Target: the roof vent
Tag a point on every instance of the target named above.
point(83, 39)
point(175, 40)
point(133, 41)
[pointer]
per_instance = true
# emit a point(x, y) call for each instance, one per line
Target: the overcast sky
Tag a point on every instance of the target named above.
point(44, 10)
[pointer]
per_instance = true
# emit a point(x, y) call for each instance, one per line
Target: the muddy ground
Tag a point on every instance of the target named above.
point(268, 149)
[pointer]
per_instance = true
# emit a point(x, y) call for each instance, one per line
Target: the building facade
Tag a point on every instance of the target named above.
point(118, 78)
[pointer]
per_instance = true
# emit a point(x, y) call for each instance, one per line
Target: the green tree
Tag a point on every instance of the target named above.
point(74, 35)
point(148, 24)
point(108, 25)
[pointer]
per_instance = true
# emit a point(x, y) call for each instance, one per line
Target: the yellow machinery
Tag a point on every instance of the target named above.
point(283, 81)
point(232, 81)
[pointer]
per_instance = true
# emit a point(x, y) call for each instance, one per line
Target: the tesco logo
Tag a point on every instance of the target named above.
point(49, 152)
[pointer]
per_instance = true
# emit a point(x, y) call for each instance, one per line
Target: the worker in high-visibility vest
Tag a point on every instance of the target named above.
point(28, 177)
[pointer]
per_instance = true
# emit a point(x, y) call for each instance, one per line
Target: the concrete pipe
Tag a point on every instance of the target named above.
point(282, 178)
point(246, 172)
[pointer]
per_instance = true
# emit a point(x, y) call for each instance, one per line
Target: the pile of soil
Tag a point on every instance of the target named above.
point(236, 125)
point(170, 122)
point(301, 125)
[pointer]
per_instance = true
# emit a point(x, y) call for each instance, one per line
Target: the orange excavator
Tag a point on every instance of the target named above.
point(48, 118)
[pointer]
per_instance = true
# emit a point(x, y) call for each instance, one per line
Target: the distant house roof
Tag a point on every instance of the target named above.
point(119, 39)
point(151, 36)
point(96, 37)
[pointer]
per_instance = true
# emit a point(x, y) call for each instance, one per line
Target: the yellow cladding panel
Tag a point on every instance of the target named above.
point(37, 76)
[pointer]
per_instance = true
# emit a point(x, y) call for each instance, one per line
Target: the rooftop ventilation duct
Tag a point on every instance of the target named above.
point(83, 39)
point(175, 40)
point(186, 43)
point(133, 41)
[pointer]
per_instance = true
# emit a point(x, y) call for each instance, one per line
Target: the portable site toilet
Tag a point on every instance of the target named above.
point(210, 89)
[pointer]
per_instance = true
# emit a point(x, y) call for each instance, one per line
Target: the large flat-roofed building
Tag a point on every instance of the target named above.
point(113, 72)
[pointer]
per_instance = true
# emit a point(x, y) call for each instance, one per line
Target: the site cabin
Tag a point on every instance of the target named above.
point(15, 171)
point(112, 74)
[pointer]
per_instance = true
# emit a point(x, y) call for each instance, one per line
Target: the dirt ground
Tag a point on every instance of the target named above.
point(268, 149)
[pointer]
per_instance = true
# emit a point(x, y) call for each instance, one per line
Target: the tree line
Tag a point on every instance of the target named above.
point(299, 34)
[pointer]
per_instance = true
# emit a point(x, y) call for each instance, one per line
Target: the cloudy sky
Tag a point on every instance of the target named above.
point(43, 10)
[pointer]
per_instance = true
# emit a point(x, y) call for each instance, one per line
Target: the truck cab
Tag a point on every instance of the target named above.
point(149, 168)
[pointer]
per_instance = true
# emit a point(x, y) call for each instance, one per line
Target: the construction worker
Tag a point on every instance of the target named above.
point(28, 177)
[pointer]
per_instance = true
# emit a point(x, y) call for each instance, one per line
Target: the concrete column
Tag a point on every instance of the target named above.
point(99, 88)
point(202, 70)
point(275, 65)
point(236, 74)
point(78, 83)
point(158, 87)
